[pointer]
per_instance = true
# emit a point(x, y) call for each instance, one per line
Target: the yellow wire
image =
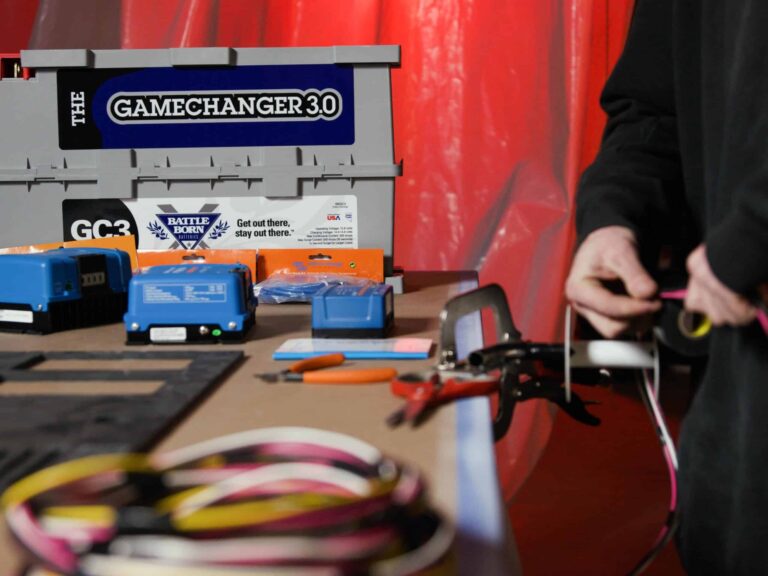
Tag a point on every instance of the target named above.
point(218, 517)
point(98, 514)
point(212, 461)
point(170, 503)
point(248, 513)
point(67, 472)
point(208, 518)
point(269, 510)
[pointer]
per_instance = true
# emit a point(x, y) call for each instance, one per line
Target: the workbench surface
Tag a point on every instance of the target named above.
point(453, 448)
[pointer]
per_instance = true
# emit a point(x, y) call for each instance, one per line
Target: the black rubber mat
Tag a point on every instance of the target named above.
point(38, 430)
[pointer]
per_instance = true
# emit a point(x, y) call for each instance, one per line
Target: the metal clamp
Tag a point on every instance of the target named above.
point(491, 296)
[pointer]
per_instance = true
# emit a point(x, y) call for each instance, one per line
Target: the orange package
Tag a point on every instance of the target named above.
point(357, 262)
point(124, 243)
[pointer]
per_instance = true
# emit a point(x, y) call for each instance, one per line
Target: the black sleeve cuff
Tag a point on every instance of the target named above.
point(737, 250)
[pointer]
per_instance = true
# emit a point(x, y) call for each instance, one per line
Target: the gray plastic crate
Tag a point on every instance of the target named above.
point(198, 147)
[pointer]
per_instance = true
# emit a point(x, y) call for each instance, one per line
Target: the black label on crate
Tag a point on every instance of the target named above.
point(87, 219)
point(308, 104)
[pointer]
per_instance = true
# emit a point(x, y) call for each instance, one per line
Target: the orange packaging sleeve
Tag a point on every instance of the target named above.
point(358, 262)
point(124, 243)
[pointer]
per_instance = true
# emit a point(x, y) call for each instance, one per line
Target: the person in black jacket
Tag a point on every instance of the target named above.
point(686, 149)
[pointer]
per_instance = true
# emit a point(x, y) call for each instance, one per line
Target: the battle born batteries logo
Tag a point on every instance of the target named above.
point(188, 230)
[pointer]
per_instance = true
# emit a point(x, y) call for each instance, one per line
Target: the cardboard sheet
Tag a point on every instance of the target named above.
point(243, 402)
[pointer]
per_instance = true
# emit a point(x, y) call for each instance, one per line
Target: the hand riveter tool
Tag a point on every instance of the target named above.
point(517, 370)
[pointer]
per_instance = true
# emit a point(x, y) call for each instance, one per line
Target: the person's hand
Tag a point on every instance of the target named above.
point(607, 255)
point(707, 295)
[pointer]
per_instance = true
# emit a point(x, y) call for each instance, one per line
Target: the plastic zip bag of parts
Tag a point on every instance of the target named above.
point(281, 288)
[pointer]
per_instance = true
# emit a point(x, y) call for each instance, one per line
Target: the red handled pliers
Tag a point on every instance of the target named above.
point(425, 390)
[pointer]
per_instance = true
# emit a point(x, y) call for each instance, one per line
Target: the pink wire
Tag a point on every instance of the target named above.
point(53, 551)
point(762, 318)
point(674, 294)
point(359, 541)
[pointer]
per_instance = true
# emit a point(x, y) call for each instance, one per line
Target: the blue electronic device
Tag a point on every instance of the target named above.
point(349, 311)
point(62, 289)
point(190, 303)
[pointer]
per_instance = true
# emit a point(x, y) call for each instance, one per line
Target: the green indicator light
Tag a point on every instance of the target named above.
point(352, 265)
point(216, 332)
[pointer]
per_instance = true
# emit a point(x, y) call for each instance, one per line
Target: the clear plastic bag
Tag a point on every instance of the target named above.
point(281, 288)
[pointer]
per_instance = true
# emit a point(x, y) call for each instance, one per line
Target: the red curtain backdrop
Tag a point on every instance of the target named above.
point(495, 115)
point(16, 20)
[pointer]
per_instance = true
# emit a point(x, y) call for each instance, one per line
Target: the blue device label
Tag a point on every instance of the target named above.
point(288, 105)
point(207, 293)
point(349, 290)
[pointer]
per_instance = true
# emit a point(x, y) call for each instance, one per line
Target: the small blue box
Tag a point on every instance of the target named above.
point(190, 303)
point(63, 289)
point(349, 311)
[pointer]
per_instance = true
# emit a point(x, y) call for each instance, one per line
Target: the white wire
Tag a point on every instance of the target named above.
point(417, 560)
point(567, 352)
point(102, 565)
point(658, 417)
point(286, 434)
point(287, 548)
point(273, 473)
point(667, 531)
point(657, 372)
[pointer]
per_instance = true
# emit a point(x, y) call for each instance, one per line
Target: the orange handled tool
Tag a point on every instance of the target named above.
point(316, 363)
point(310, 371)
point(357, 376)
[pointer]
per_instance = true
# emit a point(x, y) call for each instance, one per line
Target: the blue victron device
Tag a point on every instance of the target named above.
point(190, 303)
point(62, 289)
point(349, 311)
